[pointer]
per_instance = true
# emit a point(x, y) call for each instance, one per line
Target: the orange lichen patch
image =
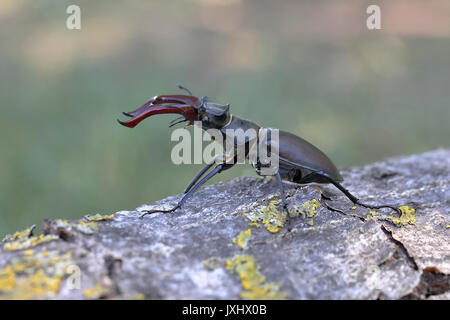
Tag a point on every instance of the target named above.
point(243, 238)
point(25, 243)
point(99, 217)
point(253, 282)
point(34, 275)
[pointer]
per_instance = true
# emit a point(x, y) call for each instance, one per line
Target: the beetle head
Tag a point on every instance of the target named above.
point(213, 115)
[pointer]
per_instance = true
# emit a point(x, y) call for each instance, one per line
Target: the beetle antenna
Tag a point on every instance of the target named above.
point(177, 121)
point(185, 89)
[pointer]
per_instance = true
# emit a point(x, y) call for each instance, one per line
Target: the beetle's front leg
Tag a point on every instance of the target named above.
point(202, 172)
point(192, 188)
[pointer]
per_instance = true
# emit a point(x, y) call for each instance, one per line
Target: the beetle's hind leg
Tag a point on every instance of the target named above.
point(146, 212)
point(283, 200)
point(369, 206)
point(358, 202)
point(321, 178)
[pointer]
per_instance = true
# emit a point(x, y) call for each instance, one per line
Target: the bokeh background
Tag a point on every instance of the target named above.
point(310, 67)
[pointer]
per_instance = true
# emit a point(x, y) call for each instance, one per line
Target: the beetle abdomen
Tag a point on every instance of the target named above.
point(301, 154)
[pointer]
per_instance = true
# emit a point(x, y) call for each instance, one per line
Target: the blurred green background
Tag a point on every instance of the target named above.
point(309, 67)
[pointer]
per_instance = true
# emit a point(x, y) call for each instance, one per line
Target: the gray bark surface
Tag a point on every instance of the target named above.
point(337, 252)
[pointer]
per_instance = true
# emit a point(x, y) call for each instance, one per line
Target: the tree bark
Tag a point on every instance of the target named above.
point(230, 241)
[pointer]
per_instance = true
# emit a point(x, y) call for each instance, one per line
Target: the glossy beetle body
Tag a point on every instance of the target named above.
point(299, 161)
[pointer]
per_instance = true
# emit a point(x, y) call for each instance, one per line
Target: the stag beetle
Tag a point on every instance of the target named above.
point(299, 161)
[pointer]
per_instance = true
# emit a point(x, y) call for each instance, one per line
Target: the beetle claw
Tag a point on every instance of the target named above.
point(121, 122)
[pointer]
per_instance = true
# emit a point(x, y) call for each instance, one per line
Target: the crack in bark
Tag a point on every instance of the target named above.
point(113, 266)
point(432, 281)
point(326, 205)
point(401, 247)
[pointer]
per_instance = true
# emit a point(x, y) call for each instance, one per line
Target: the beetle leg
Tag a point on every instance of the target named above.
point(283, 199)
point(369, 206)
point(198, 176)
point(356, 200)
point(219, 168)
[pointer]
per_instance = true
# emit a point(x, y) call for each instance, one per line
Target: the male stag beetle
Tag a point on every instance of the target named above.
point(299, 161)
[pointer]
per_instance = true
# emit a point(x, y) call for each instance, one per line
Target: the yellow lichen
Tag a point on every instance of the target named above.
point(138, 296)
point(34, 276)
point(406, 217)
point(19, 234)
point(7, 279)
point(41, 283)
point(354, 208)
point(272, 218)
point(96, 292)
point(243, 238)
point(273, 229)
point(87, 227)
point(253, 282)
point(99, 217)
point(308, 210)
point(25, 243)
point(212, 263)
point(82, 226)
